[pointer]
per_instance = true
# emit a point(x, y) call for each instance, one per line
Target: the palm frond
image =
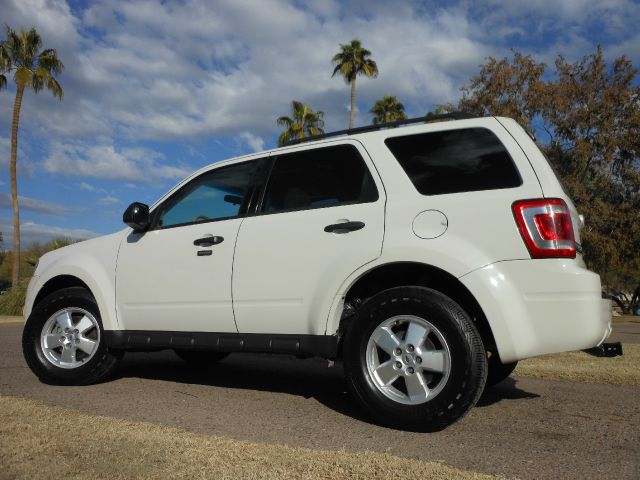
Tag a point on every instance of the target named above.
point(369, 68)
point(388, 109)
point(33, 68)
point(32, 43)
point(5, 58)
point(49, 59)
point(303, 122)
point(284, 122)
point(54, 87)
point(353, 60)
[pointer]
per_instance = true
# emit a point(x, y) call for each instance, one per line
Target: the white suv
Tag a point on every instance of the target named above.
point(429, 258)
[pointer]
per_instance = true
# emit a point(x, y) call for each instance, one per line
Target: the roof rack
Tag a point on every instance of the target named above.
point(380, 126)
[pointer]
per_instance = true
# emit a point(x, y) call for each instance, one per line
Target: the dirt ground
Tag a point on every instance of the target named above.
point(524, 427)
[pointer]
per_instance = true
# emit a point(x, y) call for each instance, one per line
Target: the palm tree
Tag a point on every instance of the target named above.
point(304, 122)
point(388, 109)
point(353, 60)
point(34, 69)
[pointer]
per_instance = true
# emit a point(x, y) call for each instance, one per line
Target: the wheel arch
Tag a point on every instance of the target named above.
point(85, 273)
point(396, 274)
point(58, 283)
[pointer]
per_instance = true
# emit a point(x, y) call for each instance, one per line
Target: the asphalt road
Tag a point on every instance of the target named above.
point(527, 428)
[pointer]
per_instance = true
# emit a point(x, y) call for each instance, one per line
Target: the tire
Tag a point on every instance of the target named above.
point(498, 371)
point(454, 368)
point(75, 360)
point(201, 357)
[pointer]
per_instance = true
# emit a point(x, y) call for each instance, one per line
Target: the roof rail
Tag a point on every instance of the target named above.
point(380, 126)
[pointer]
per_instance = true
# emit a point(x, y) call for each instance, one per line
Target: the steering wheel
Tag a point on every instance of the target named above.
point(200, 218)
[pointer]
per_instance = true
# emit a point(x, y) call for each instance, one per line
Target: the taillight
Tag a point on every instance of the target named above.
point(546, 228)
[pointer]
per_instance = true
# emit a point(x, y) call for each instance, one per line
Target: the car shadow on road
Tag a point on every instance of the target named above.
point(309, 378)
point(505, 390)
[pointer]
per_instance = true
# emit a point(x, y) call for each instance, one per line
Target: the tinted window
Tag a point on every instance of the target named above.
point(455, 161)
point(324, 177)
point(212, 196)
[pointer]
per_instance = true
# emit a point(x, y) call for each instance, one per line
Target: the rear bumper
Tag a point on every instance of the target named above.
point(535, 307)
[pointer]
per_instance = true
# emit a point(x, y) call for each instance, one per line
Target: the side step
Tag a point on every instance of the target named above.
point(606, 350)
point(325, 346)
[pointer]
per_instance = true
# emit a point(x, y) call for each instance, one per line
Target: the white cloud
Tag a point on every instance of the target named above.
point(108, 200)
point(25, 165)
point(108, 162)
point(159, 70)
point(38, 206)
point(255, 143)
point(87, 186)
point(31, 232)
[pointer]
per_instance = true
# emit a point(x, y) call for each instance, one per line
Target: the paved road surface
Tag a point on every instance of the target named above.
point(524, 427)
point(627, 331)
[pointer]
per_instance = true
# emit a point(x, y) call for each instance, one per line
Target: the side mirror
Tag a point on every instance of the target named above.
point(137, 216)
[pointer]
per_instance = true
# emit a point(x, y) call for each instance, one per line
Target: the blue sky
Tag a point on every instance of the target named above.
point(156, 89)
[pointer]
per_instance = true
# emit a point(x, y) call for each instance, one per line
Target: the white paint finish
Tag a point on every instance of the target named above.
point(550, 184)
point(92, 261)
point(287, 268)
point(481, 221)
point(291, 277)
point(164, 285)
point(540, 306)
point(430, 224)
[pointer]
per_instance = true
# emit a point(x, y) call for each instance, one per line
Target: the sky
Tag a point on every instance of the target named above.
point(154, 90)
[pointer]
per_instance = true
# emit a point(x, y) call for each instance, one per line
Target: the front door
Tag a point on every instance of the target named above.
point(322, 217)
point(177, 275)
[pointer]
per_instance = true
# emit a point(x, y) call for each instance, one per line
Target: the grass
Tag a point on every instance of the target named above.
point(12, 300)
point(38, 441)
point(584, 368)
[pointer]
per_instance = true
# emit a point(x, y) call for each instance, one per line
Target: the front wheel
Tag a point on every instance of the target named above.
point(414, 359)
point(498, 371)
point(63, 340)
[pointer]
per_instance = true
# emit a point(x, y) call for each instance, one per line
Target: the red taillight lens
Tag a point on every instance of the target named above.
point(546, 228)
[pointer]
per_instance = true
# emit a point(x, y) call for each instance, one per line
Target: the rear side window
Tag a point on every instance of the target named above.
point(324, 177)
point(454, 161)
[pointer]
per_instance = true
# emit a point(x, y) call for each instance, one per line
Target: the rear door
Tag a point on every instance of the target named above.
point(321, 217)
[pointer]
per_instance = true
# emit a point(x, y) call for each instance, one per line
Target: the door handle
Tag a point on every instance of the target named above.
point(208, 240)
point(344, 227)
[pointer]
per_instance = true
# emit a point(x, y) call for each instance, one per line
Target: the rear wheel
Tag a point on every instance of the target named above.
point(414, 359)
point(63, 340)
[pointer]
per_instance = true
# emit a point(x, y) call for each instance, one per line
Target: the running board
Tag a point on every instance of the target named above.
point(325, 346)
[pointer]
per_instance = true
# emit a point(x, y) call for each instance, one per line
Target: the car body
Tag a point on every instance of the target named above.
point(276, 271)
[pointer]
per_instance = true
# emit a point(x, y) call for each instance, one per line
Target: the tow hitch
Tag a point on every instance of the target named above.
point(613, 349)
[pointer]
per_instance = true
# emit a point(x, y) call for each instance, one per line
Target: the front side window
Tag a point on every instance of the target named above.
point(454, 161)
point(215, 195)
point(323, 177)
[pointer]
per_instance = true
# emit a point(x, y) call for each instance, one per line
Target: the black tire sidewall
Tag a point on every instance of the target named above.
point(498, 371)
point(88, 373)
point(465, 377)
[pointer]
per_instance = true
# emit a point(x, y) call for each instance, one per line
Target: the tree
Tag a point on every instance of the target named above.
point(32, 69)
point(303, 122)
point(388, 109)
point(512, 88)
point(353, 60)
point(589, 118)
